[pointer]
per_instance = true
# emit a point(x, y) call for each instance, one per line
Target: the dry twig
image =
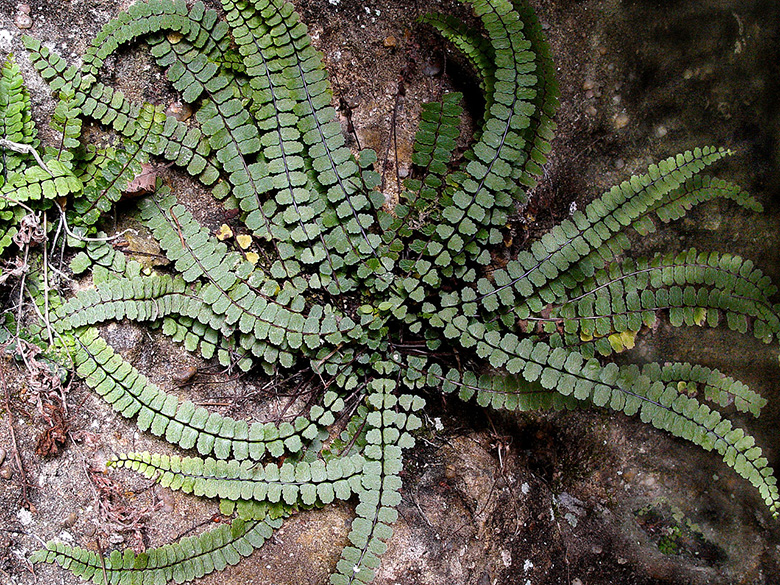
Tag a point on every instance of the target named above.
point(24, 149)
point(114, 513)
point(14, 444)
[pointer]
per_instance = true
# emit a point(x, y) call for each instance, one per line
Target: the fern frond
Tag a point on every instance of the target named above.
point(541, 130)
point(198, 337)
point(66, 120)
point(502, 391)
point(433, 148)
point(629, 390)
point(570, 245)
point(16, 123)
point(306, 482)
point(696, 289)
point(138, 299)
point(37, 184)
point(481, 196)
point(181, 422)
point(696, 190)
point(434, 145)
point(190, 558)
point(389, 421)
point(476, 48)
point(140, 19)
point(722, 390)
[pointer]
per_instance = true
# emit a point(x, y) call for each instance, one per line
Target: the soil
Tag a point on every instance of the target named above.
point(574, 498)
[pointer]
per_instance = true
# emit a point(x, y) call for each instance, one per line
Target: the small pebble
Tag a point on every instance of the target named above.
point(589, 84)
point(184, 375)
point(70, 520)
point(616, 99)
point(576, 581)
point(5, 472)
point(390, 42)
point(23, 20)
point(403, 171)
point(25, 516)
point(596, 549)
point(603, 51)
point(180, 111)
point(622, 560)
point(116, 538)
point(168, 505)
point(591, 111)
point(661, 131)
point(3, 453)
point(620, 121)
point(589, 94)
point(23, 8)
point(431, 69)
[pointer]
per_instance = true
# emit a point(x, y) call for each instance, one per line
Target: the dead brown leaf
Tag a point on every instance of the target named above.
point(143, 183)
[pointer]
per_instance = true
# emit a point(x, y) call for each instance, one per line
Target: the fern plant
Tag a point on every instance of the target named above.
point(381, 303)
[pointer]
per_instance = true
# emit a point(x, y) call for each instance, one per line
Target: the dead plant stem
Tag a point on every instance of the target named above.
point(14, 443)
point(46, 285)
point(21, 292)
